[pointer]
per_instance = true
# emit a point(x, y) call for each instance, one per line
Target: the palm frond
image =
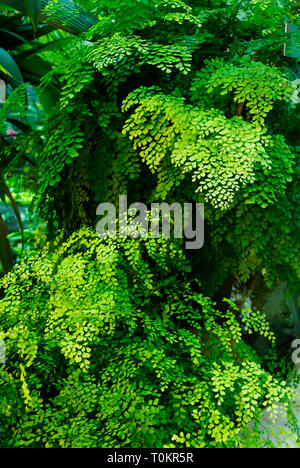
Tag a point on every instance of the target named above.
point(64, 14)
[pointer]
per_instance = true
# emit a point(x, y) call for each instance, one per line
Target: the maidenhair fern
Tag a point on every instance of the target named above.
point(108, 347)
point(146, 113)
point(118, 343)
point(249, 82)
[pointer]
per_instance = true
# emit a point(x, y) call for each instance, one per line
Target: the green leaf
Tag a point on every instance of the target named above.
point(4, 71)
point(12, 5)
point(33, 9)
point(9, 67)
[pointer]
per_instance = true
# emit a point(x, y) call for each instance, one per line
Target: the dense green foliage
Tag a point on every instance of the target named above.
point(114, 343)
point(104, 353)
